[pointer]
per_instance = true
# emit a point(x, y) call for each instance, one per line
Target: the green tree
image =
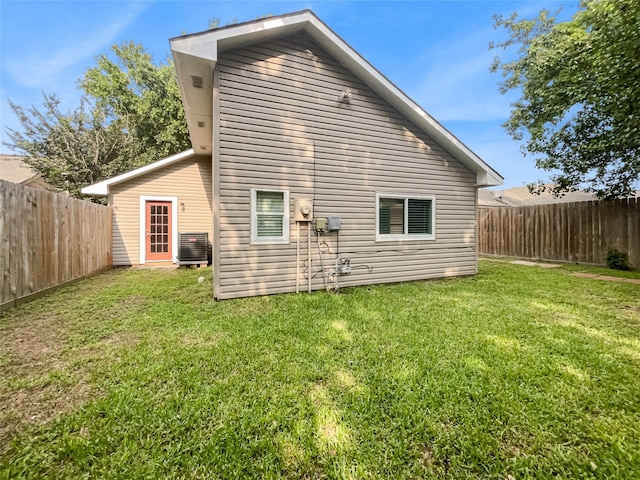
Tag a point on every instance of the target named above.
point(579, 110)
point(74, 149)
point(131, 86)
point(131, 115)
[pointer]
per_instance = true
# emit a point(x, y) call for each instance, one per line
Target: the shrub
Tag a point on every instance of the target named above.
point(617, 260)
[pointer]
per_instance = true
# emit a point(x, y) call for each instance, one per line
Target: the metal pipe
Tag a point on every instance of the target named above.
point(324, 276)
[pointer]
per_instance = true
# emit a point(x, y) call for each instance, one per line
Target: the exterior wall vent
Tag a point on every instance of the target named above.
point(196, 81)
point(193, 248)
point(201, 124)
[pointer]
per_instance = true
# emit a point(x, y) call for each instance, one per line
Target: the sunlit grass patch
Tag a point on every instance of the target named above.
point(516, 372)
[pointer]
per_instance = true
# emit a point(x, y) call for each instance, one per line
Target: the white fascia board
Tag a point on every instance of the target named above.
point(201, 46)
point(490, 179)
point(253, 32)
point(102, 188)
point(196, 102)
point(206, 45)
point(197, 54)
point(485, 175)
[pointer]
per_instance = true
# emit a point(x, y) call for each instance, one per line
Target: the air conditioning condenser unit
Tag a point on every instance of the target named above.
point(193, 248)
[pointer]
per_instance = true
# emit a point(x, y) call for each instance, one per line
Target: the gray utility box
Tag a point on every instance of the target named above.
point(193, 248)
point(327, 224)
point(334, 224)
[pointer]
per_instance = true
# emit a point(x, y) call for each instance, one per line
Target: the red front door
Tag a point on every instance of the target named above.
point(158, 243)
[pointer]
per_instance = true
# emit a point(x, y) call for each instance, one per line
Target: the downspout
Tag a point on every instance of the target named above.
point(215, 188)
point(476, 230)
point(297, 257)
point(309, 253)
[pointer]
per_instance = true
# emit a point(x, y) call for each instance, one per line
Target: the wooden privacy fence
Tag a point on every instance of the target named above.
point(571, 232)
point(48, 239)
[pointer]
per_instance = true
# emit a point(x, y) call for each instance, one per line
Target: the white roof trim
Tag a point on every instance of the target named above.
point(102, 188)
point(199, 50)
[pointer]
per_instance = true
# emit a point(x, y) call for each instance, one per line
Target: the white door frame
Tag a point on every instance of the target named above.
point(143, 225)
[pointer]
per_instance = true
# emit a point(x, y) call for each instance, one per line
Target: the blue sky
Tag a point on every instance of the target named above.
point(435, 51)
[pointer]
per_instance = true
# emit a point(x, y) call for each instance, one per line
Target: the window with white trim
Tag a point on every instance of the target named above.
point(400, 217)
point(269, 216)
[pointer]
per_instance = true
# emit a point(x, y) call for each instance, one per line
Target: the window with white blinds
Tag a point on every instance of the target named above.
point(401, 217)
point(269, 216)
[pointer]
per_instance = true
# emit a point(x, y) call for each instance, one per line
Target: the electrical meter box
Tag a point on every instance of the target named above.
point(333, 224)
point(320, 224)
point(303, 210)
point(327, 224)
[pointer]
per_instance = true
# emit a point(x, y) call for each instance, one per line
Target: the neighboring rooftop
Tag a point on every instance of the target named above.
point(13, 169)
point(519, 196)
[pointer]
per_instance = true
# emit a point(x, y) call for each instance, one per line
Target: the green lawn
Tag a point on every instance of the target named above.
point(518, 372)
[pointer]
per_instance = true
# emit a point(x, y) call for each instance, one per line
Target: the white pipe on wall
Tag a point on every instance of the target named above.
point(297, 257)
point(309, 253)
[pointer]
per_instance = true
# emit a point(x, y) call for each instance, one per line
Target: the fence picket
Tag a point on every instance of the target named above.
point(575, 232)
point(47, 239)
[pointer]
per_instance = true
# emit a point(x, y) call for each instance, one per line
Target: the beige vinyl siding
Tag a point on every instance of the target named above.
point(282, 126)
point(189, 180)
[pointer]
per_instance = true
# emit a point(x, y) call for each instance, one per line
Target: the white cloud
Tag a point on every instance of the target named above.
point(37, 69)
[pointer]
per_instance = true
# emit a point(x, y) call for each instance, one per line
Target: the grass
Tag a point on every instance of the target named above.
point(518, 372)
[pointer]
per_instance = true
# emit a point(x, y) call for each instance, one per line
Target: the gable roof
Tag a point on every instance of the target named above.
point(102, 188)
point(195, 57)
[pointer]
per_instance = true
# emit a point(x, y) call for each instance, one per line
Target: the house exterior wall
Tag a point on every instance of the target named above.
point(188, 180)
point(282, 126)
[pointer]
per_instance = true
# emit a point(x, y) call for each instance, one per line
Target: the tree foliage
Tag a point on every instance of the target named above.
point(73, 149)
point(579, 110)
point(131, 86)
point(130, 115)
